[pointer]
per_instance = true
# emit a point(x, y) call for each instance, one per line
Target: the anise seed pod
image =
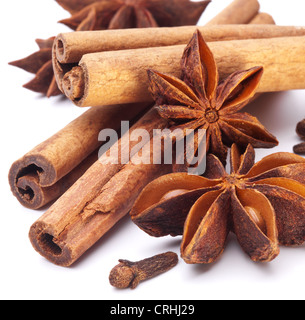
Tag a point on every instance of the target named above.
point(262, 203)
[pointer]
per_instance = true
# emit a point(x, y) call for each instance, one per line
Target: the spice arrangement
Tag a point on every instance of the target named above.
point(145, 62)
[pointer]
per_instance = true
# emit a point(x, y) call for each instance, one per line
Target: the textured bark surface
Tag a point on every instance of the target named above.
point(70, 47)
point(238, 9)
point(47, 171)
point(116, 76)
point(95, 203)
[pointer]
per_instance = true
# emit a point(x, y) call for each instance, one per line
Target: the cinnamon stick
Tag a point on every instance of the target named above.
point(110, 77)
point(262, 18)
point(97, 201)
point(238, 9)
point(47, 171)
point(69, 48)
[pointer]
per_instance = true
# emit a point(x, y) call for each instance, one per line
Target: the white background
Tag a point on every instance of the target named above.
point(28, 119)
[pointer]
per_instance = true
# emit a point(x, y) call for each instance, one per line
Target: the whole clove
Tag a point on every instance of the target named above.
point(129, 274)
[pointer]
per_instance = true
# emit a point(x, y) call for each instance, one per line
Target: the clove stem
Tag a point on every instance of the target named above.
point(129, 274)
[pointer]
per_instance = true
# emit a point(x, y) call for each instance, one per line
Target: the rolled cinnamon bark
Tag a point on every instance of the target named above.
point(262, 18)
point(69, 48)
point(111, 77)
point(100, 198)
point(237, 10)
point(47, 171)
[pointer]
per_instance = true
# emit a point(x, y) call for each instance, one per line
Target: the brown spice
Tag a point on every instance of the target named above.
point(199, 101)
point(129, 274)
point(71, 46)
point(90, 208)
point(262, 203)
point(236, 9)
point(122, 14)
point(300, 130)
point(40, 63)
point(299, 148)
point(47, 171)
point(262, 18)
point(106, 14)
point(106, 69)
point(97, 201)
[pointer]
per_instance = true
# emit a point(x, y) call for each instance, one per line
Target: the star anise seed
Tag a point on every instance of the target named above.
point(199, 101)
point(262, 203)
point(122, 14)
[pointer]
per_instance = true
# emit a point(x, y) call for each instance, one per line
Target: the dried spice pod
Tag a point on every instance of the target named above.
point(118, 14)
point(129, 274)
point(262, 203)
point(40, 63)
point(199, 101)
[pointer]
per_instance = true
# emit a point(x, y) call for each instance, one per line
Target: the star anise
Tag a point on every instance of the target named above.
point(122, 14)
point(199, 101)
point(262, 203)
point(40, 63)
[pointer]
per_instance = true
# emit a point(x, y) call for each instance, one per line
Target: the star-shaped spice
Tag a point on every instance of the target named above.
point(262, 203)
point(199, 101)
point(40, 63)
point(122, 14)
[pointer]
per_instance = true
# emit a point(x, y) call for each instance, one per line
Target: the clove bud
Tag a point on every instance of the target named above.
point(129, 274)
